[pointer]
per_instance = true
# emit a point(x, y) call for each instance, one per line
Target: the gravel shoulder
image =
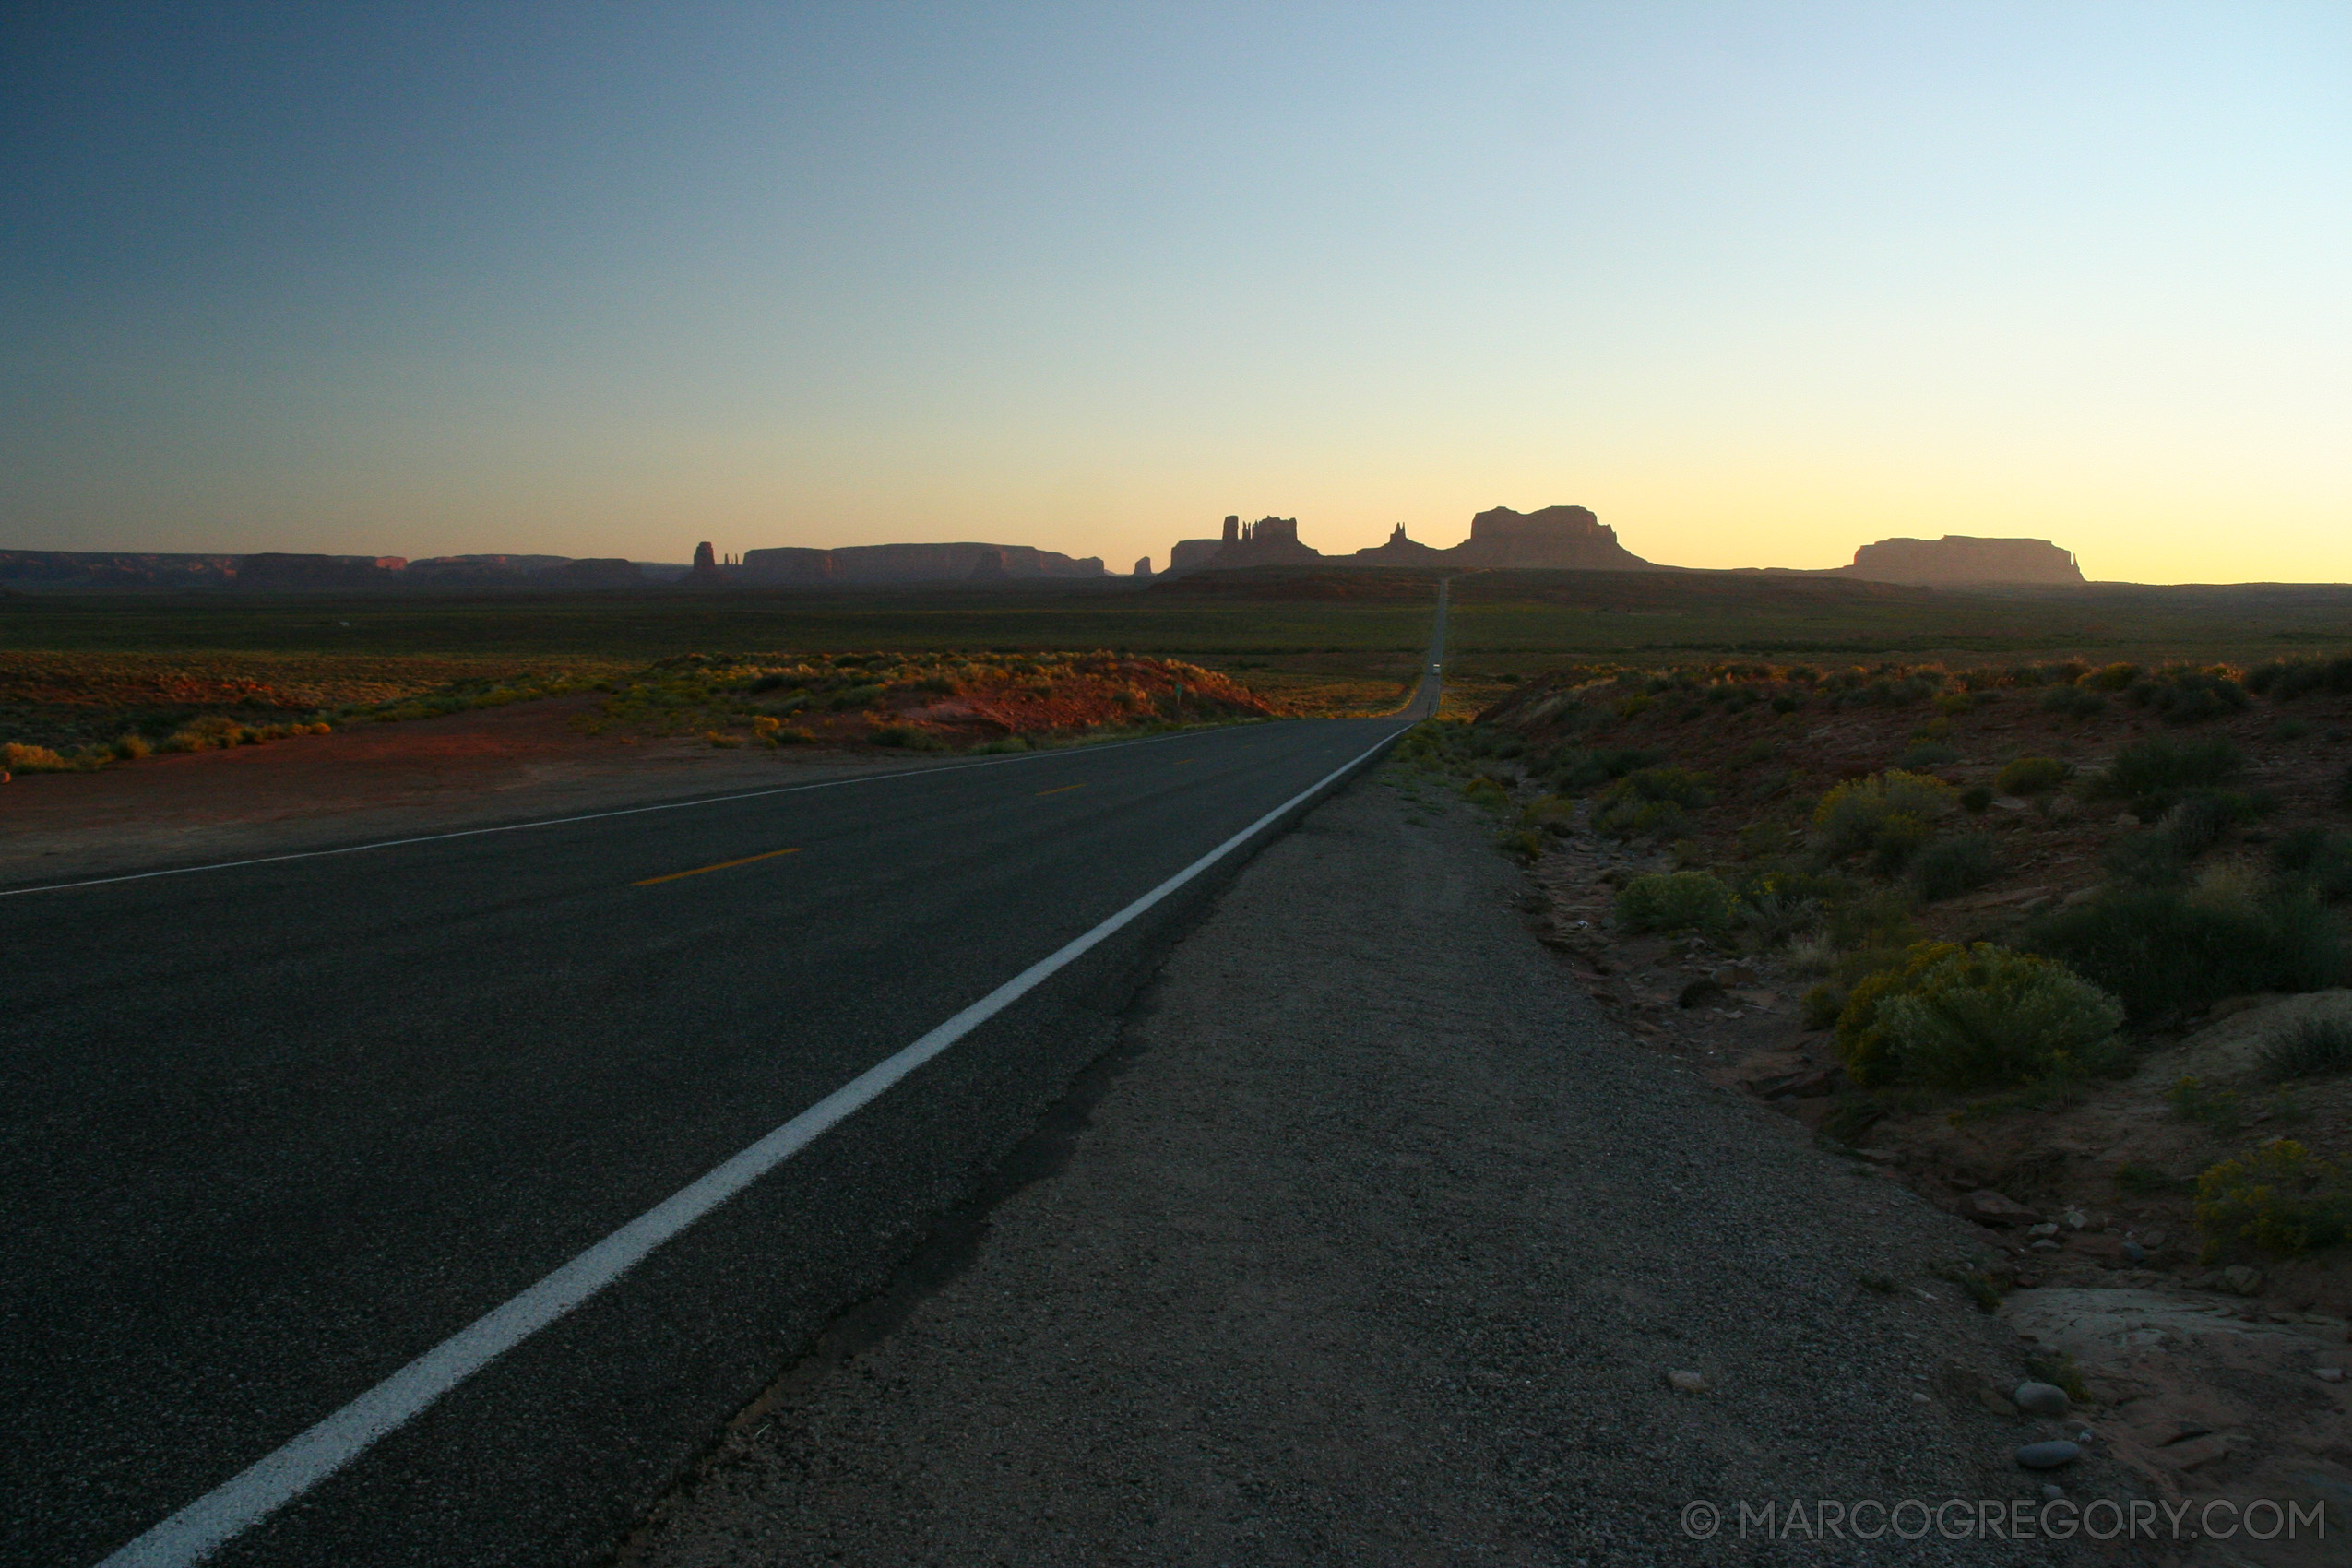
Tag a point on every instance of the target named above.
point(1374, 1242)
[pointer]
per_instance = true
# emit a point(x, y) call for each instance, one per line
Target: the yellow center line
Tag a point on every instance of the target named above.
point(722, 865)
point(1063, 790)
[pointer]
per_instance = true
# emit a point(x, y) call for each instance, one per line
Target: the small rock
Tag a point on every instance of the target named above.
point(2328, 1375)
point(2041, 1399)
point(1988, 1208)
point(1684, 1382)
point(2047, 1227)
point(2053, 1492)
point(1919, 1398)
point(2241, 1279)
point(1991, 1399)
point(2136, 1253)
point(2048, 1455)
point(2152, 1239)
point(2075, 1218)
point(2061, 807)
point(2046, 1246)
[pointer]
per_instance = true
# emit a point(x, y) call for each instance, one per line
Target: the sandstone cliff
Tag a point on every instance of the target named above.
point(911, 563)
point(1959, 558)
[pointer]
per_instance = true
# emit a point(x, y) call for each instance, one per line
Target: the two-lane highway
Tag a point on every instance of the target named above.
point(431, 1202)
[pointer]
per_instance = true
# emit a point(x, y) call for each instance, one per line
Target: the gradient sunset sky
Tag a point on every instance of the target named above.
point(1757, 283)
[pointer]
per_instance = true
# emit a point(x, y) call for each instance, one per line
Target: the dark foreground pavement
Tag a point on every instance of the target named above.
point(270, 1132)
point(1373, 1244)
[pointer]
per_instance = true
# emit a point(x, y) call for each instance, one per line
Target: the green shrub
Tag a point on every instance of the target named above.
point(2311, 1048)
point(1949, 867)
point(2283, 679)
point(1985, 1017)
point(1927, 754)
point(2319, 859)
point(1823, 1004)
point(1525, 843)
point(2033, 776)
point(2218, 1111)
point(2074, 702)
point(1975, 799)
point(1572, 769)
point(2160, 766)
point(131, 746)
point(1485, 791)
point(906, 736)
point(2281, 1198)
point(1851, 817)
point(1900, 835)
point(1864, 1045)
point(1682, 900)
point(2145, 859)
point(2188, 696)
point(1776, 918)
point(1669, 786)
point(1642, 819)
point(1878, 921)
point(2113, 677)
point(17, 757)
point(2165, 953)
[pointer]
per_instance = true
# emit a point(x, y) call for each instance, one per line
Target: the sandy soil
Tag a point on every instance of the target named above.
point(508, 763)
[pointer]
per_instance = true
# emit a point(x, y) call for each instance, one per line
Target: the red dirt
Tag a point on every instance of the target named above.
point(469, 769)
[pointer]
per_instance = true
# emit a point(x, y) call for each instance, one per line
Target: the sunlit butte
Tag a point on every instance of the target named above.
point(1757, 284)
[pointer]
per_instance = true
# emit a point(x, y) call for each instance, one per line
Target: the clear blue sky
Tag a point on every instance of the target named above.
point(1758, 283)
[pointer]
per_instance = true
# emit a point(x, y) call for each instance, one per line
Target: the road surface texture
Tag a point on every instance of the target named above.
point(274, 1132)
point(1373, 1243)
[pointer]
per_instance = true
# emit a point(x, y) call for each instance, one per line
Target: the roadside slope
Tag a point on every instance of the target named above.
point(1377, 1248)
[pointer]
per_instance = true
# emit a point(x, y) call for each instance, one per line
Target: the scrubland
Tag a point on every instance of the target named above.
point(2062, 947)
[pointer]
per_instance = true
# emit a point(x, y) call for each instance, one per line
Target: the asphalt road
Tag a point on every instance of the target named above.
point(274, 1132)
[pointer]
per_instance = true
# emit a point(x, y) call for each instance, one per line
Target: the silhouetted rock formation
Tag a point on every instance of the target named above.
point(102, 568)
point(1192, 554)
point(273, 570)
point(992, 565)
point(1269, 541)
point(909, 564)
point(1143, 567)
point(479, 571)
point(1959, 558)
point(1398, 550)
point(1557, 537)
point(706, 566)
point(1569, 537)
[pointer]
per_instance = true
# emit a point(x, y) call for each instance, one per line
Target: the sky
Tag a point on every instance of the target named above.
point(1757, 283)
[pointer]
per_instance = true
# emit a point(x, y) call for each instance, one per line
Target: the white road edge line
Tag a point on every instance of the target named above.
point(599, 816)
point(197, 1530)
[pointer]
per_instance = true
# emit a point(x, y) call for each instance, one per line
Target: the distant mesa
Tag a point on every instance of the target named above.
point(1959, 558)
point(280, 572)
point(1568, 537)
point(909, 564)
point(1143, 567)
